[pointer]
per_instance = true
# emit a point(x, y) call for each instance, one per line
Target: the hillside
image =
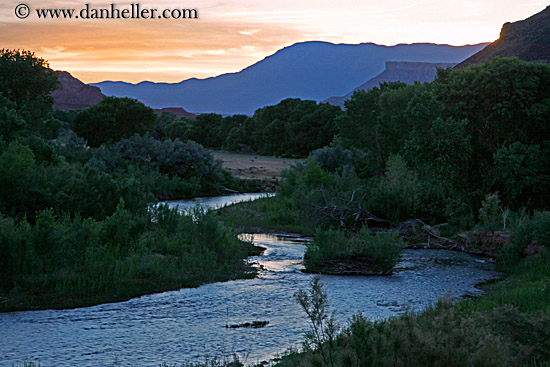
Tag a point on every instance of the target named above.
point(528, 40)
point(176, 111)
point(309, 70)
point(406, 72)
point(72, 94)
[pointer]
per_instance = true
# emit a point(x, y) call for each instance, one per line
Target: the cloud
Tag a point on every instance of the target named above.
point(233, 34)
point(250, 32)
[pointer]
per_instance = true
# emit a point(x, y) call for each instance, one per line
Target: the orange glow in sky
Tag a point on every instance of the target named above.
point(230, 35)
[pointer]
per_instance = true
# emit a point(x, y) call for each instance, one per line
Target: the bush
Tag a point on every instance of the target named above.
point(366, 253)
point(439, 337)
point(330, 159)
point(170, 168)
point(79, 261)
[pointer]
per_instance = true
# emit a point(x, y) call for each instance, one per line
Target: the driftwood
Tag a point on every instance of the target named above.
point(350, 213)
point(482, 243)
point(426, 236)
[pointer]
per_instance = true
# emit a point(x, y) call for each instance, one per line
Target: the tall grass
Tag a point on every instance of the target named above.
point(64, 261)
point(270, 214)
point(377, 253)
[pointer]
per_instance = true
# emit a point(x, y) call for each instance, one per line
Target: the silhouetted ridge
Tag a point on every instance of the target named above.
point(527, 39)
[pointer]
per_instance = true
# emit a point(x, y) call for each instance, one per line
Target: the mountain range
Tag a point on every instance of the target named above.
point(72, 94)
point(308, 70)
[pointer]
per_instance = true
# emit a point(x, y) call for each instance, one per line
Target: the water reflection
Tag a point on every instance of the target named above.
point(215, 202)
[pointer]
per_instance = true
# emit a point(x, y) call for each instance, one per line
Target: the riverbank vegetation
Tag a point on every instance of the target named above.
point(64, 261)
point(459, 163)
point(76, 222)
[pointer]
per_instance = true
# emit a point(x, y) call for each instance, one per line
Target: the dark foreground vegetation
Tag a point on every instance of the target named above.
point(510, 326)
point(76, 223)
point(60, 262)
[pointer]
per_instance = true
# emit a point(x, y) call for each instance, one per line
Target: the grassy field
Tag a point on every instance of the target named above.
point(248, 166)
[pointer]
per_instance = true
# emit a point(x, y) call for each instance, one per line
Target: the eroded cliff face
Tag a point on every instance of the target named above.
point(527, 39)
point(72, 94)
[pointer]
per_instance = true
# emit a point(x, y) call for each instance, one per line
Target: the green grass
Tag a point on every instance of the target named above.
point(266, 214)
point(527, 287)
point(70, 262)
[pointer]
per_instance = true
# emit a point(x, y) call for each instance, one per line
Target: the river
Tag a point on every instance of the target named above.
point(190, 324)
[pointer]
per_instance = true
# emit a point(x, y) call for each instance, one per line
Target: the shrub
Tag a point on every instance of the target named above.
point(397, 195)
point(376, 254)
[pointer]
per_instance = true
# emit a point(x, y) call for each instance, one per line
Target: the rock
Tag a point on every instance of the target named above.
point(72, 94)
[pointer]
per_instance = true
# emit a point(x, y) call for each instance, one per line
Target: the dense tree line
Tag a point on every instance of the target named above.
point(291, 128)
point(437, 150)
point(467, 152)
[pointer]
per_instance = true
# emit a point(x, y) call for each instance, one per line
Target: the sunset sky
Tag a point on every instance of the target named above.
point(232, 34)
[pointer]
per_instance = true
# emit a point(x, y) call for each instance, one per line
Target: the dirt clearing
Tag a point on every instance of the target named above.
point(254, 166)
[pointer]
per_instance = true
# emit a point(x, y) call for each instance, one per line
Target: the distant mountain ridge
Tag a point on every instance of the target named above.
point(527, 39)
point(178, 112)
point(309, 70)
point(397, 71)
point(73, 94)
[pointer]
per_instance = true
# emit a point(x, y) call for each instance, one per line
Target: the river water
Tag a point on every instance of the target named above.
point(190, 324)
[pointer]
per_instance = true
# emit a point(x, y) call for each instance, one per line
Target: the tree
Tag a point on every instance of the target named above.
point(12, 124)
point(113, 119)
point(359, 127)
point(28, 81)
point(502, 100)
point(293, 127)
point(205, 128)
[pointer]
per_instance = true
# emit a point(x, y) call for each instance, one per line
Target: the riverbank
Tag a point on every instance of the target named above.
point(86, 262)
point(190, 323)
